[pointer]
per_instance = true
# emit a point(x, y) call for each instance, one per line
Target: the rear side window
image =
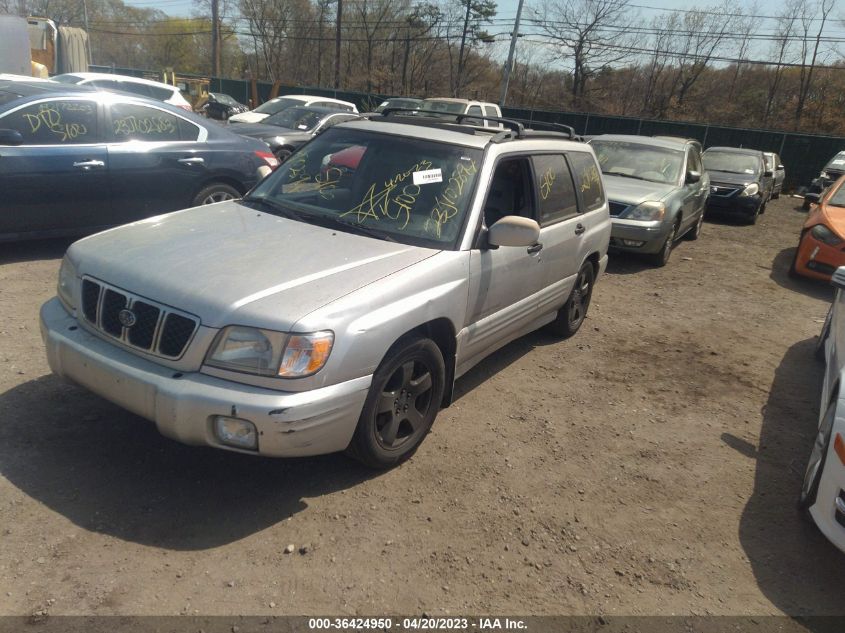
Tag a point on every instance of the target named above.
point(476, 110)
point(557, 197)
point(587, 180)
point(55, 122)
point(490, 111)
point(134, 122)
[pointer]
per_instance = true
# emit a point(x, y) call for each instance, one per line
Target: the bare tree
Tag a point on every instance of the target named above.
point(589, 34)
point(807, 14)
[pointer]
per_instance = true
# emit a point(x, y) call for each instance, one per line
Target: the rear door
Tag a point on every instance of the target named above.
point(156, 164)
point(57, 181)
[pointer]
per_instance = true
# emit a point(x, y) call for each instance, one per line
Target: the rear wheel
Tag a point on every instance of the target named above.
point(574, 311)
point(216, 192)
point(282, 154)
point(403, 401)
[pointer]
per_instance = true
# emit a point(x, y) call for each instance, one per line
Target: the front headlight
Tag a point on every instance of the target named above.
point(269, 353)
point(750, 190)
point(648, 211)
point(67, 282)
point(825, 235)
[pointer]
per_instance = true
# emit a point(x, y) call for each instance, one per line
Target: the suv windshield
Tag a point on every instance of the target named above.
point(640, 161)
point(295, 119)
point(402, 189)
point(277, 105)
point(837, 162)
point(731, 162)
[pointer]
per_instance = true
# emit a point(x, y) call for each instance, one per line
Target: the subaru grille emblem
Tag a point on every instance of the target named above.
point(127, 318)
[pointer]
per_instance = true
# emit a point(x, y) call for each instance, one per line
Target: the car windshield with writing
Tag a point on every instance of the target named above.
point(295, 119)
point(731, 162)
point(639, 161)
point(277, 105)
point(405, 190)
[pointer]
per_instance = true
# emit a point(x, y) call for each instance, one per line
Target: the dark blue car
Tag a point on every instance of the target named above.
point(74, 160)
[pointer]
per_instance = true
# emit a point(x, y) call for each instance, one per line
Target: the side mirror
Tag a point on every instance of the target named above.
point(767, 173)
point(10, 137)
point(513, 230)
point(693, 177)
point(812, 198)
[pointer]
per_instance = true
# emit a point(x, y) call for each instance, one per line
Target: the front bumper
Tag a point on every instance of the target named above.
point(184, 405)
point(816, 259)
point(652, 235)
point(826, 515)
point(742, 205)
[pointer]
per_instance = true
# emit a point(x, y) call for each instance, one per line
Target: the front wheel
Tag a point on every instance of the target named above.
point(216, 192)
point(400, 408)
point(574, 311)
point(661, 258)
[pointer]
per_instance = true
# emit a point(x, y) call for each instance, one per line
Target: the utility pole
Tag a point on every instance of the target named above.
point(215, 38)
point(509, 65)
point(337, 45)
point(85, 18)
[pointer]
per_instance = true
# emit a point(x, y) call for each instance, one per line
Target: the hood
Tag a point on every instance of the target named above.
point(230, 264)
point(729, 178)
point(633, 191)
point(249, 117)
point(262, 131)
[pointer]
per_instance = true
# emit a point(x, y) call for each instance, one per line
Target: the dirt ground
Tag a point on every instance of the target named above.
point(649, 465)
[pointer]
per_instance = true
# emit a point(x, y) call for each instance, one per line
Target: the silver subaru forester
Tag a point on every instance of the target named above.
point(334, 306)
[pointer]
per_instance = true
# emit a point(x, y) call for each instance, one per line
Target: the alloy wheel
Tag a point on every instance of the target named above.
point(404, 405)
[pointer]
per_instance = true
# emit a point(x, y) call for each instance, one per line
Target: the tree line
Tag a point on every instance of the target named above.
point(729, 63)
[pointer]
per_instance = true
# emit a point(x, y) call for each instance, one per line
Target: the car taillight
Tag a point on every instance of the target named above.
point(268, 158)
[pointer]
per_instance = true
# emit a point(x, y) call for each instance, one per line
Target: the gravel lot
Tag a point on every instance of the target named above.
point(649, 465)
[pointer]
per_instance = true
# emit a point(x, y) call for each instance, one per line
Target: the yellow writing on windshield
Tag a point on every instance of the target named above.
point(446, 204)
point(124, 126)
point(387, 202)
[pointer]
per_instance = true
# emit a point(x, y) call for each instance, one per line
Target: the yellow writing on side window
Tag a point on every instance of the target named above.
point(128, 125)
point(546, 183)
point(50, 118)
point(590, 178)
point(446, 204)
point(383, 203)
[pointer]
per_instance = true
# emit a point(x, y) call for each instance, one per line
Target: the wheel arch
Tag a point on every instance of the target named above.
point(222, 179)
point(442, 332)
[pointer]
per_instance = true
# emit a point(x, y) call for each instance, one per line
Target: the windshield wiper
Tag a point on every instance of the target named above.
point(274, 207)
point(332, 220)
point(619, 173)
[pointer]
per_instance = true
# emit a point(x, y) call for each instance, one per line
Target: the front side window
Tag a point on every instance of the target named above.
point(640, 161)
point(731, 162)
point(558, 200)
point(134, 122)
point(399, 189)
point(694, 160)
point(59, 122)
point(587, 180)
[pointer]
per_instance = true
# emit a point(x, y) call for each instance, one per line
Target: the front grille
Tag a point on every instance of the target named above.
point(616, 208)
point(136, 321)
point(723, 190)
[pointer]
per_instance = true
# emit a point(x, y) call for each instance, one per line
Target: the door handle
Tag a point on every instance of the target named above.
point(88, 164)
point(535, 248)
point(195, 160)
point(579, 229)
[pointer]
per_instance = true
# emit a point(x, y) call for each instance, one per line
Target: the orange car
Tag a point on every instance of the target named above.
point(821, 249)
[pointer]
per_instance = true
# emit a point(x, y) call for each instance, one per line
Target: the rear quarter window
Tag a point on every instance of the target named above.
point(587, 178)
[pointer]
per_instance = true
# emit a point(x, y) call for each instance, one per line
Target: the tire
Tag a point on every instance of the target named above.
point(661, 258)
point(216, 192)
point(819, 352)
point(282, 154)
point(752, 218)
point(412, 379)
point(574, 311)
point(805, 205)
point(815, 465)
point(695, 232)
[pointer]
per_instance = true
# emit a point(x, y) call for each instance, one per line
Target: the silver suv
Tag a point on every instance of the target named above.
point(334, 306)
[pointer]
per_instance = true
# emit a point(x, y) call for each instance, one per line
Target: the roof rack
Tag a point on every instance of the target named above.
point(515, 128)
